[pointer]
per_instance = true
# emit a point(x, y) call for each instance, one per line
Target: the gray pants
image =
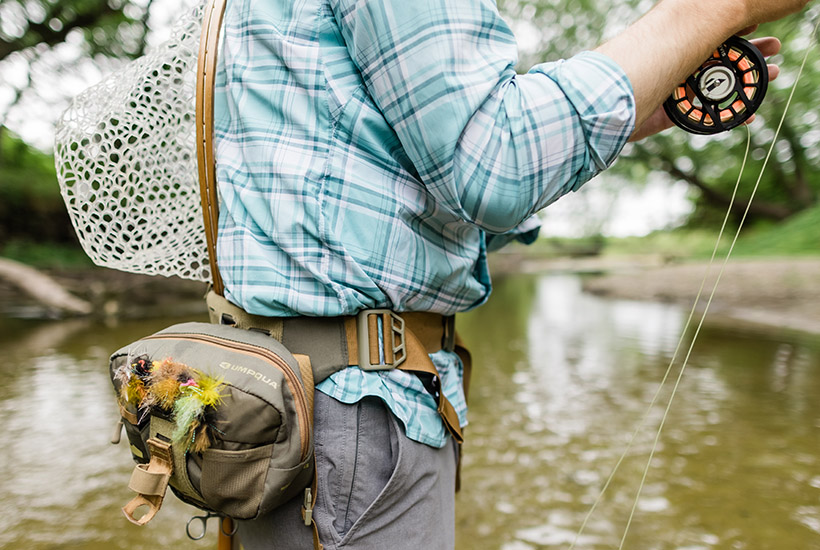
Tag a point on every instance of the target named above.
point(377, 488)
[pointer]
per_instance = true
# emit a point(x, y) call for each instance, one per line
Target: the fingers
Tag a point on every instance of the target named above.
point(774, 71)
point(768, 45)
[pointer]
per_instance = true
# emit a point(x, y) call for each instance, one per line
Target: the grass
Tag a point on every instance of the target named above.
point(797, 236)
point(676, 244)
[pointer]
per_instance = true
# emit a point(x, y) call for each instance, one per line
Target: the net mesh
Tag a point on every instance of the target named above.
point(126, 161)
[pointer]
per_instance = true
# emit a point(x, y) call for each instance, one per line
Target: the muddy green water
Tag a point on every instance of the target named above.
point(562, 380)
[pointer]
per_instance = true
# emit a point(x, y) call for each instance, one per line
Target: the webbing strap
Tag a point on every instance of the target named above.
point(206, 160)
point(311, 494)
point(419, 362)
point(161, 428)
point(332, 343)
point(467, 363)
point(150, 482)
point(126, 414)
point(306, 370)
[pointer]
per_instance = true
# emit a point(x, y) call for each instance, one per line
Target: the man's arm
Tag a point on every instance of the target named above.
point(490, 145)
point(673, 39)
point(494, 146)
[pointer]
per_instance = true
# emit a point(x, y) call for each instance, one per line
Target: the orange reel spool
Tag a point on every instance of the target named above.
point(723, 93)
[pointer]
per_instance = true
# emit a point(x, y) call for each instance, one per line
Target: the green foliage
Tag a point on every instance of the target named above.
point(113, 28)
point(672, 245)
point(42, 39)
point(24, 169)
point(569, 26)
point(45, 254)
point(30, 203)
point(796, 236)
point(560, 247)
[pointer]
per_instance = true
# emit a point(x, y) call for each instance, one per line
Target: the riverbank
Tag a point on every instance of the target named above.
point(772, 292)
point(775, 292)
point(112, 294)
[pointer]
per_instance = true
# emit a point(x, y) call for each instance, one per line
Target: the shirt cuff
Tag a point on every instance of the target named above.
point(526, 233)
point(602, 96)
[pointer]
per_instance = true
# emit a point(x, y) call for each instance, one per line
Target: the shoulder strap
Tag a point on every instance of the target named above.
point(206, 161)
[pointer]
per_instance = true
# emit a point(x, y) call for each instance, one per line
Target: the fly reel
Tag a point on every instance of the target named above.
point(723, 93)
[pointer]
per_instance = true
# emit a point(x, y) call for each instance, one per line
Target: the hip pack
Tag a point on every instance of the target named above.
point(223, 412)
point(222, 415)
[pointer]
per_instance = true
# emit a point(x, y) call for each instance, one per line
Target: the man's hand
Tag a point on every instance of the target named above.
point(658, 121)
point(671, 41)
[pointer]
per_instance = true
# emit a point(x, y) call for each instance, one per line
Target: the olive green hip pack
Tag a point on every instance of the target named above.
point(223, 413)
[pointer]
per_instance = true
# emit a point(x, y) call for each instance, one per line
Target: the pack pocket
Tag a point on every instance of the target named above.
point(233, 481)
point(136, 441)
point(286, 483)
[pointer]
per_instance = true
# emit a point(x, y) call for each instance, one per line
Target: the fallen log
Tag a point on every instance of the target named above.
point(42, 288)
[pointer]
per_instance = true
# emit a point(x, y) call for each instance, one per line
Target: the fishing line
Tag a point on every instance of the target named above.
point(677, 348)
point(691, 315)
point(717, 282)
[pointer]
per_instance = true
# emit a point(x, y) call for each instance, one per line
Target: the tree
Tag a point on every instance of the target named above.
point(31, 207)
point(31, 31)
point(46, 37)
point(115, 28)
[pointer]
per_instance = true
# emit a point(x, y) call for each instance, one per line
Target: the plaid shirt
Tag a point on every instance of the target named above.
point(371, 152)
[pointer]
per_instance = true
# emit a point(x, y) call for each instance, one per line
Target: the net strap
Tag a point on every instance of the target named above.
point(206, 160)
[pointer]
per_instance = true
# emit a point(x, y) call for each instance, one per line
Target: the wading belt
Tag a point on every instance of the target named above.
point(334, 343)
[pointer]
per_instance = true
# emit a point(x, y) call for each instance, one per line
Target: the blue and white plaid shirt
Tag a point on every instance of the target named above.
point(370, 152)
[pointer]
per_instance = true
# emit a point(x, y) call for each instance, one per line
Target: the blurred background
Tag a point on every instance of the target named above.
point(570, 349)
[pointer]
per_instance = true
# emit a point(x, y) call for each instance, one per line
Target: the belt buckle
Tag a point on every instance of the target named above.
point(396, 331)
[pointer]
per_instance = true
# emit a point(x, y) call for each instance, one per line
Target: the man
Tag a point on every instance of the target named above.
point(370, 153)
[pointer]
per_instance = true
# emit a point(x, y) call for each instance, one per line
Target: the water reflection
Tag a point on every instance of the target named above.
point(62, 482)
point(561, 381)
point(736, 463)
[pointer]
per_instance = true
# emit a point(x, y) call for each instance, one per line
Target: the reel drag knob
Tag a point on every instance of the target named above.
point(723, 93)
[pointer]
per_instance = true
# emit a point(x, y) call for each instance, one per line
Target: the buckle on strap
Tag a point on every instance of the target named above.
point(395, 333)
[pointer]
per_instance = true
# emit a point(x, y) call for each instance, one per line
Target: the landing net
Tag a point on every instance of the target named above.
point(126, 162)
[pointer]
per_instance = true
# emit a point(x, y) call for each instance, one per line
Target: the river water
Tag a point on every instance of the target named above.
point(561, 382)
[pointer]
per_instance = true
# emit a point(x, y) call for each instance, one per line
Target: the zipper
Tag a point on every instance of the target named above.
point(256, 351)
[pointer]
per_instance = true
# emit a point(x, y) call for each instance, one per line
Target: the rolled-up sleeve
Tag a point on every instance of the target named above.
point(491, 145)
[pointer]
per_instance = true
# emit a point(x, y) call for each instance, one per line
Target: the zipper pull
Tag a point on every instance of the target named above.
point(307, 509)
